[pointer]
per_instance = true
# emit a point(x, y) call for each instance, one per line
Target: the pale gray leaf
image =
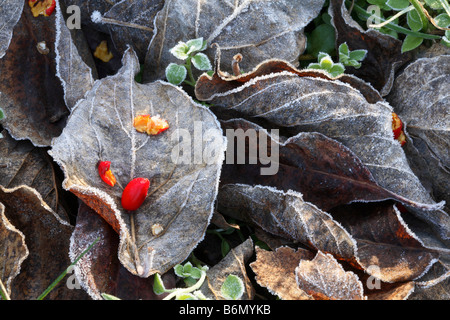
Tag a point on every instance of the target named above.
point(101, 128)
point(77, 76)
point(257, 29)
point(420, 96)
point(10, 13)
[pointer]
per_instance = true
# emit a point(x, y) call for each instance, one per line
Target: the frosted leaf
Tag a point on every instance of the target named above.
point(286, 213)
point(305, 102)
point(188, 156)
point(324, 278)
point(275, 270)
point(420, 96)
point(233, 263)
point(10, 13)
point(42, 229)
point(257, 29)
point(77, 76)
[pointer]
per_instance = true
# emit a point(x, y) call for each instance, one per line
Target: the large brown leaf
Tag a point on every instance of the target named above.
point(323, 170)
point(300, 103)
point(256, 29)
point(47, 240)
point(183, 206)
point(30, 93)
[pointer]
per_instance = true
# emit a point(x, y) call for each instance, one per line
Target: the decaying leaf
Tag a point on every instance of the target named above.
point(99, 271)
point(323, 170)
point(47, 240)
point(257, 29)
point(341, 112)
point(384, 56)
point(74, 64)
point(234, 263)
point(30, 93)
point(286, 214)
point(420, 97)
point(275, 270)
point(21, 163)
point(10, 12)
point(131, 24)
point(386, 248)
point(189, 167)
point(13, 248)
point(324, 279)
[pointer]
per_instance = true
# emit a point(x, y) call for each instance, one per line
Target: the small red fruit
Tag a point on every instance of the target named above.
point(105, 173)
point(134, 194)
point(397, 129)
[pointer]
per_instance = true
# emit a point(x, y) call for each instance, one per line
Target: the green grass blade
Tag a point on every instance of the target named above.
point(62, 275)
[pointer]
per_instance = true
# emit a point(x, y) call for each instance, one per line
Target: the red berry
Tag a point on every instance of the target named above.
point(105, 173)
point(134, 194)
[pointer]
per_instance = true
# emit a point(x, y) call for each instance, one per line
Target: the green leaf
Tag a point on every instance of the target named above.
point(358, 55)
point(179, 270)
point(224, 247)
point(442, 20)
point(398, 4)
point(180, 51)
point(313, 66)
point(196, 45)
point(175, 73)
point(434, 4)
point(232, 288)
point(2, 114)
point(413, 21)
point(410, 43)
point(196, 273)
point(158, 285)
point(107, 296)
point(352, 63)
point(186, 296)
point(201, 62)
point(337, 69)
point(343, 48)
point(321, 39)
point(326, 63)
point(446, 39)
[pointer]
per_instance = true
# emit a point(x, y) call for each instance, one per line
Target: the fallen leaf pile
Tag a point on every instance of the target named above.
point(328, 205)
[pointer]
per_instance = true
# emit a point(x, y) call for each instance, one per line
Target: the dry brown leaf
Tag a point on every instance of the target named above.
point(275, 270)
point(47, 239)
point(325, 279)
point(13, 249)
point(21, 163)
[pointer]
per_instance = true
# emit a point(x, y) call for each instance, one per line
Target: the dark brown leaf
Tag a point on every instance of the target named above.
point(47, 239)
point(30, 93)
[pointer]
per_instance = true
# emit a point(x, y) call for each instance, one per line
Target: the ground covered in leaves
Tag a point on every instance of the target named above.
point(280, 166)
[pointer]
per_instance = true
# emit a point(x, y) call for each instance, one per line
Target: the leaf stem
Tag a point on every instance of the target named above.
point(196, 286)
point(188, 66)
point(392, 18)
point(393, 26)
